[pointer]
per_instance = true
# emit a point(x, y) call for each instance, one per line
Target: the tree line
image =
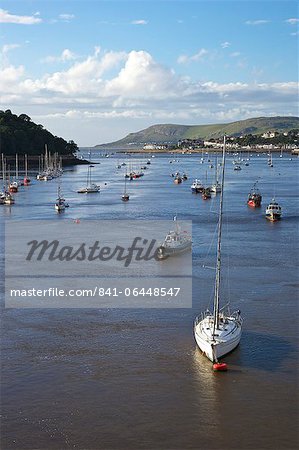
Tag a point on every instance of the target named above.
point(18, 134)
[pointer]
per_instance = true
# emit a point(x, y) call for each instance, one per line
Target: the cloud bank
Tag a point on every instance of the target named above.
point(131, 85)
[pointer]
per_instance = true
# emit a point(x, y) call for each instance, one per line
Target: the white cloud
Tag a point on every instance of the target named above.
point(10, 77)
point(257, 22)
point(183, 59)
point(292, 21)
point(139, 22)
point(6, 17)
point(66, 55)
point(235, 54)
point(225, 44)
point(142, 76)
point(66, 17)
point(8, 47)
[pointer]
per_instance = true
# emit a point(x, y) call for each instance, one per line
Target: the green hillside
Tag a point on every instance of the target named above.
point(170, 133)
point(18, 134)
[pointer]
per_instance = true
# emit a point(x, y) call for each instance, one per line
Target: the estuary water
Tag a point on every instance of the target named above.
point(133, 378)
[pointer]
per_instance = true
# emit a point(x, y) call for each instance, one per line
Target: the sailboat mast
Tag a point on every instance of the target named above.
point(88, 172)
point(218, 266)
point(17, 167)
point(3, 171)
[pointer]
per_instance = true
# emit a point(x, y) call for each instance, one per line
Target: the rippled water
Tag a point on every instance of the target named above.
point(133, 379)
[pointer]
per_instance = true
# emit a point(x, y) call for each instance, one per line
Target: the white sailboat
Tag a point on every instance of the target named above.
point(27, 180)
point(218, 333)
point(125, 197)
point(216, 187)
point(5, 196)
point(270, 161)
point(90, 187)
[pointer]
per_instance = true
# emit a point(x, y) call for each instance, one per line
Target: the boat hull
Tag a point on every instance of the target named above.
point(254, 203)
point(59, 208)
point(215, 348)
point(273, 217)
point(165, 252)
point(9, 201)
point(88, 191)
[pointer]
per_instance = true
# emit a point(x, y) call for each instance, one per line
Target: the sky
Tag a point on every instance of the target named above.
point(94, 70)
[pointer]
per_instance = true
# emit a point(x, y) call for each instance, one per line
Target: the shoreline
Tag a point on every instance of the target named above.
point(33, 161)
point(194, 151)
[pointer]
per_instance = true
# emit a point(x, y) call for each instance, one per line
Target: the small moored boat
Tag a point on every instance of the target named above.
point(273, 211)
point(175, 242)
point(125, 197)
point(90, 187)
point(197, 186)
point(254, 197)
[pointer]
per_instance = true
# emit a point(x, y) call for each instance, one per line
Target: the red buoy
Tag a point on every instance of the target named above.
point(220, 367)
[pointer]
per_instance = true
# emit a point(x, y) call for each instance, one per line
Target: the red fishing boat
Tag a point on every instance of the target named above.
point(254, 197)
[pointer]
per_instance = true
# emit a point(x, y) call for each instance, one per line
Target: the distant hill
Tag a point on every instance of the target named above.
point(18, 134)
point(170, 134)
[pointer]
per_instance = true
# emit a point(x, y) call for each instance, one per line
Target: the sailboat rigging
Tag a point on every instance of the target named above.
point(90, 187)
point(125, 197)
point(218, 333)
point(27, 180)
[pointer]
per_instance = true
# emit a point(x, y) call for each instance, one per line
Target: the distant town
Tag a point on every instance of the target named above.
point(270, 141)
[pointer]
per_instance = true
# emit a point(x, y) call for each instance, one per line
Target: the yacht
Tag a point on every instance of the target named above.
point(273, 211)
point(219, 332)
point(90, 187)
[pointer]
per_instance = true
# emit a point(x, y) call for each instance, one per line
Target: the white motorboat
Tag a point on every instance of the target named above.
point(219, 332)
point(175, 242)
point(60, 204)
point(273, 211)
point(197, 186)
point(8, 199)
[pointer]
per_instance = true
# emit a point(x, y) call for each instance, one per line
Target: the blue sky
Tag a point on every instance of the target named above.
point(93, 71)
